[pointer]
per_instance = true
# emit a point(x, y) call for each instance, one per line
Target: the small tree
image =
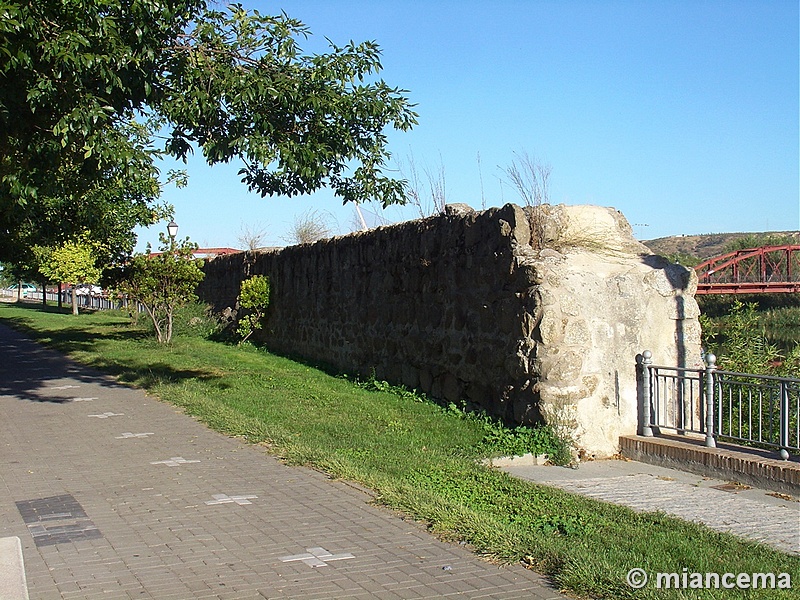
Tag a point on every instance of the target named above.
point(163, 282)
point(253, 296)
point(74, 262)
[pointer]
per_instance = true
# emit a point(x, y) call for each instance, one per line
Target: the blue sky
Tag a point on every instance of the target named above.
point(681, 114)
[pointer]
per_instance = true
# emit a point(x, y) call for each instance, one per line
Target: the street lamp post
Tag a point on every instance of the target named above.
point(172, 231)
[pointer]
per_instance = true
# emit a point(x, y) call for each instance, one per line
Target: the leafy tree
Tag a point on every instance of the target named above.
point(17, 273)
point(253, 296)
point(81, 76)
point(162, 283)
point(74, 262)
point(124, 195)
point(72, 70)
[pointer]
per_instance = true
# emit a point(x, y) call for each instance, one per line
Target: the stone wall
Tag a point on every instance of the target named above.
point(462, 307)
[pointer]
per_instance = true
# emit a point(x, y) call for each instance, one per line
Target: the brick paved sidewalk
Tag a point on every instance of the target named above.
point(747, 512)
point(117, 495)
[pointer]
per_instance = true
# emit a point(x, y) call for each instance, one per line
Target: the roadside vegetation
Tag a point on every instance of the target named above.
point(419, 458)
point(752, 333)
point(760, 334)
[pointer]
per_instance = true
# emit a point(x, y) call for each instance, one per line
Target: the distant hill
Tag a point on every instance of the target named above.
point(705, 246)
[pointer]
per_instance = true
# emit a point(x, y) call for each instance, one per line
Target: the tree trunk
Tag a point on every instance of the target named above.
point(60, 300)
point(152, 314)
point(169, 326)
point(74, 301)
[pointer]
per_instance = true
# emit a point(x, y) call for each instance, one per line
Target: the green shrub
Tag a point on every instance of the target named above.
point(254, 297)
point(501, 440)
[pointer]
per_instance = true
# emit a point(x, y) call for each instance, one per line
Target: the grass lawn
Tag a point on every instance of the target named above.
point(419, 458)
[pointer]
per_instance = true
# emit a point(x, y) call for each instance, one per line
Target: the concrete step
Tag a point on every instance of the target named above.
point(12, 570)
point(751, 466)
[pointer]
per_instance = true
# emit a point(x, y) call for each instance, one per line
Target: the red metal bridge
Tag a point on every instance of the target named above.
point(767, 270)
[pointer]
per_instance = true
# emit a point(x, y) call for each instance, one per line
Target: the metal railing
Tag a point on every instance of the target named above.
point(91, 301)
point(747, 409)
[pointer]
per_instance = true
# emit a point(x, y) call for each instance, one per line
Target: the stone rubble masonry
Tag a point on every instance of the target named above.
point(463, 307)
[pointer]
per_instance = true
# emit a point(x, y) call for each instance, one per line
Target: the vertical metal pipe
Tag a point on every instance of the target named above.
point(711, 366)
point(784, 439)
point(797, 420)
point(647, 400)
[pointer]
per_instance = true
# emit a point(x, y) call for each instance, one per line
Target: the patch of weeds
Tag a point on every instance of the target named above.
point(196, 320)
point(569, 525)
point(376, 385)
point(501, 440)
point(502, 499)
point(498, 439)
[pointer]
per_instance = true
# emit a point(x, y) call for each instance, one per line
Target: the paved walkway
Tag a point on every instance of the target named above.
point(116, 495)
point(748, 512)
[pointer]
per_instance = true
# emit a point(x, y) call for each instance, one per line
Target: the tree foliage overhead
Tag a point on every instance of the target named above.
point(122, 195)
point(70, 71)
point(80, 78)
point(238, 86)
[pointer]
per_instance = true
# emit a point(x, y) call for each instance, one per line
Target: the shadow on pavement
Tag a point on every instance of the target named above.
point(33, 372)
